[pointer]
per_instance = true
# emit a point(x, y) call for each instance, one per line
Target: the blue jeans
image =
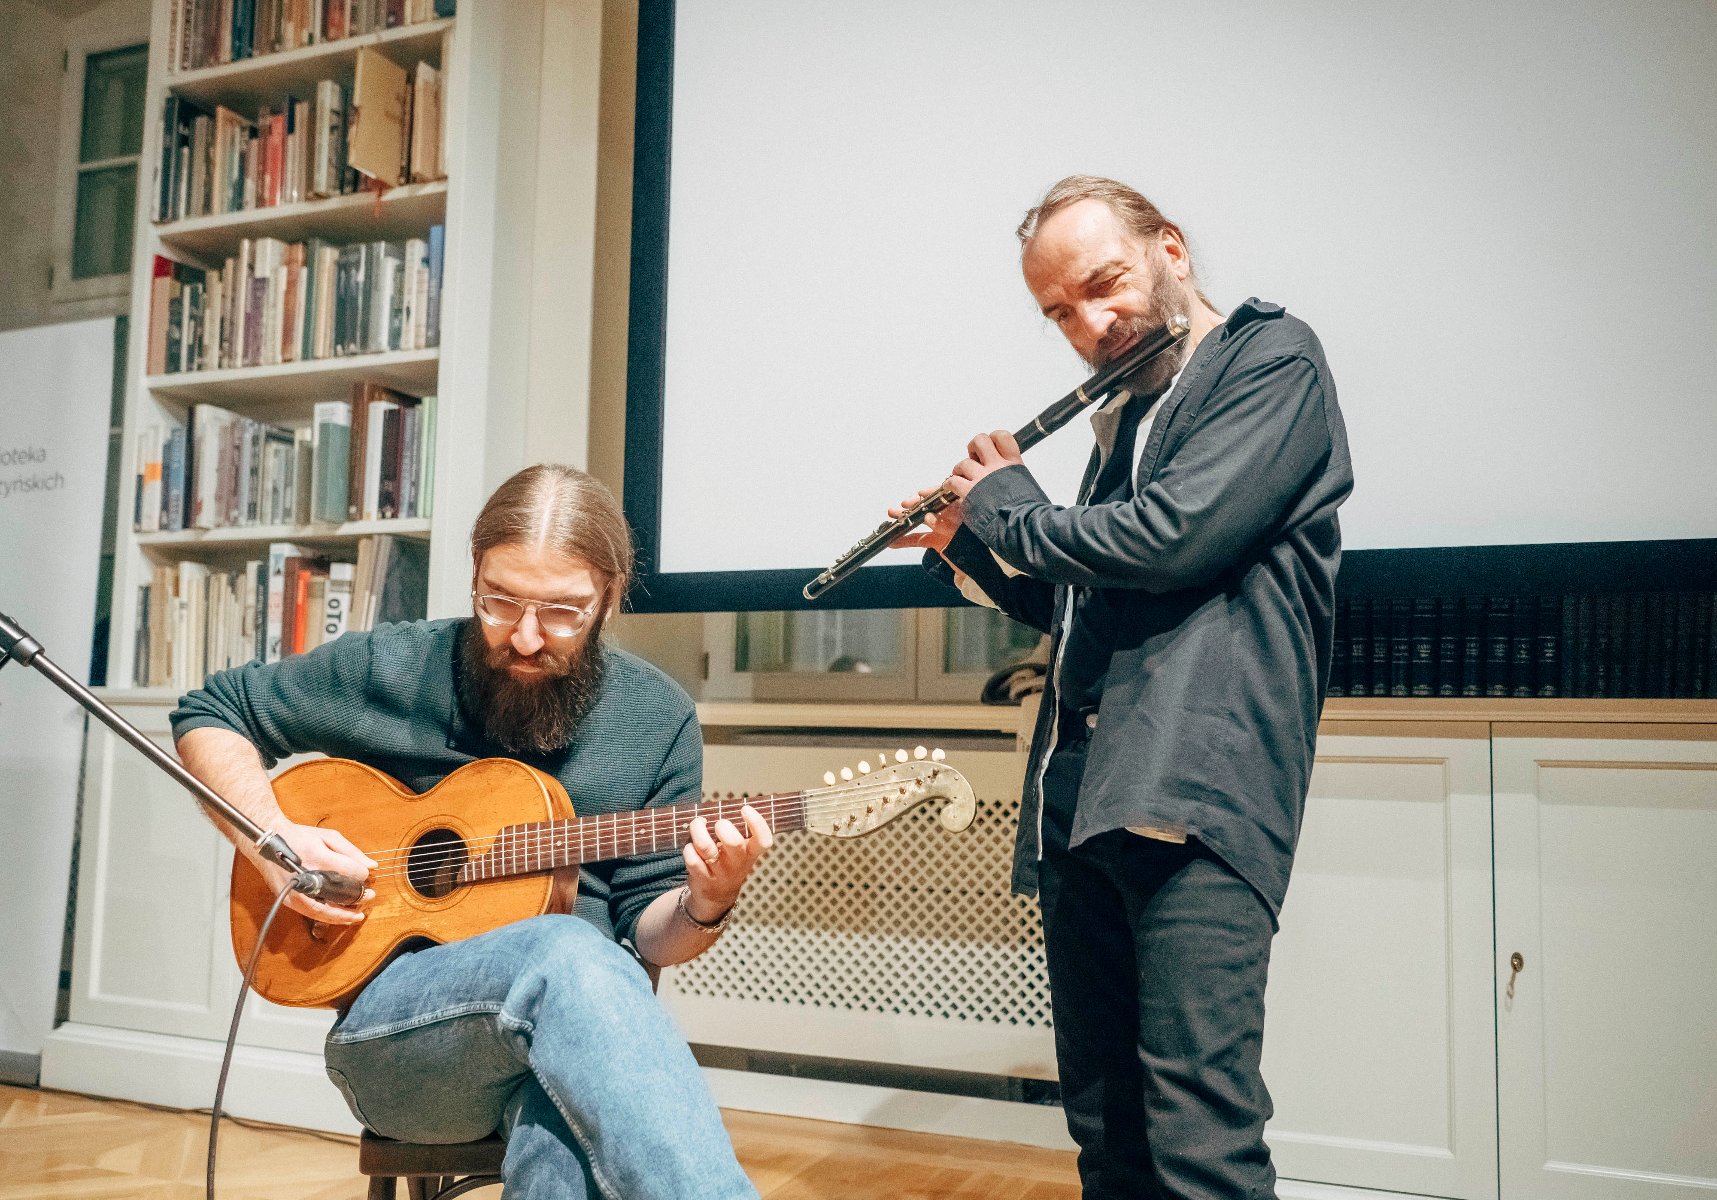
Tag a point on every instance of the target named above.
point(547, 1031)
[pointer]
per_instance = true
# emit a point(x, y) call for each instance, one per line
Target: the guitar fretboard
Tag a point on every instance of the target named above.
point(546, 845)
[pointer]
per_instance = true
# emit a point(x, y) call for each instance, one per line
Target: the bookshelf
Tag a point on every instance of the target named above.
point(284, 394)
point(399, 212)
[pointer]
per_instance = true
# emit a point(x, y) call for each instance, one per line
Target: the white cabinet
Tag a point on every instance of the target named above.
point(153, 976)
point(1606, 861)
point(1379, 1043)
point(1398, 1057)
point(151, 907)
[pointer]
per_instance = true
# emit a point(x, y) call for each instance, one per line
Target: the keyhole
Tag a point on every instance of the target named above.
point(1515, 961)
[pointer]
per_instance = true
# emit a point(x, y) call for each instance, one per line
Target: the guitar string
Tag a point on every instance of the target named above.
point(545, 835)
point(825, 796)
point(522, 847)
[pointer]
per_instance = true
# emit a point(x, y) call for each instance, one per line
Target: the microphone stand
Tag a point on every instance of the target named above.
point(17, 645)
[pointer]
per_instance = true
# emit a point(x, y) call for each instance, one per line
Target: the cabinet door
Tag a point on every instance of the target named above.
point(153, 945)
point(151, 948)
point(1379, 1042)
point(1607, 892)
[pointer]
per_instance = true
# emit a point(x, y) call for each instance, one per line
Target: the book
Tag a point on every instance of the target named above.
point(1473, 646)
point(1399, 646)
point(1359, 648)
point(337, 600)
point(1422, 649)
point(1660, 643)
point(331, 439)
point(1499, 647)
point(1681, 654)
point(1522, 645)
point(1337, 685)
point(380, 403)
point(1547, 667)
point(425, 157)
point(359, 440)
point(1448, 671)
point(426, 457)
point(1705, 647)
point(1585, 646)
point(274, 611)
point(1568, 646)
point(1634, 642)
point(432, 306)
point(376, 127)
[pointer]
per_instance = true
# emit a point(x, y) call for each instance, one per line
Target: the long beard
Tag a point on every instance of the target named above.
point(1167, 297)
point(529, 716)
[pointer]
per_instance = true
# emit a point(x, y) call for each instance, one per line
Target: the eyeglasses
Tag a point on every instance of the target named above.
point(556, 620)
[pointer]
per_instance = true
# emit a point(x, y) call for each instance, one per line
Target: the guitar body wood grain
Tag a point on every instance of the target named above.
point(309, 965)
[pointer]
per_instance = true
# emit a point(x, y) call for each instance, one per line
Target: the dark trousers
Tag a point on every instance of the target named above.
point(1158, 955)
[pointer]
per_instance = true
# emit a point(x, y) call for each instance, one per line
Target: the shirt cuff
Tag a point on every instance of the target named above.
point(991, 496)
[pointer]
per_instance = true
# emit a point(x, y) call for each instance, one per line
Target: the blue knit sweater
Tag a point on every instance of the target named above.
point(388, 699)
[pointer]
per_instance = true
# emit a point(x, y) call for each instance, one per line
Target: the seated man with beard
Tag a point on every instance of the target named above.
point(545, 1029)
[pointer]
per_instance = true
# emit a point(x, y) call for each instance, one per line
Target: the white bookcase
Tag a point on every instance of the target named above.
point(283, 394)
point(153, 974)
point(459, 371)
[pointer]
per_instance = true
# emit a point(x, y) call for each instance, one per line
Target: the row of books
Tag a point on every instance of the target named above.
point(279, 302)
point(1644, 644)
point(375, 455)
point(205, 33)
point(221, 469)
point(193, 619)
point(307, 149)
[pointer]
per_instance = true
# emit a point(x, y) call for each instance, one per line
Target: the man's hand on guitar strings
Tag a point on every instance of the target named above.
point(320, 850)
point(719, 859)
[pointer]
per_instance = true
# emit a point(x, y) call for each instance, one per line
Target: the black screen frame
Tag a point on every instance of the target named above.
point(1492, 570)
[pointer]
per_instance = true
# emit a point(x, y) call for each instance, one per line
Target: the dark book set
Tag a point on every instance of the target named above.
point(1633, 645)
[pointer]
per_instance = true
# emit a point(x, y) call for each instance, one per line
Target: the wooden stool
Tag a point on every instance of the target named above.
point(430, 1172)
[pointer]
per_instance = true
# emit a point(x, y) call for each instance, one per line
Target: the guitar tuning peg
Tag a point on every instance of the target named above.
point(919, 752)
point(829, 778)
point(937, 755)
point(864, 767)
point(846, 773)
point(900, 756)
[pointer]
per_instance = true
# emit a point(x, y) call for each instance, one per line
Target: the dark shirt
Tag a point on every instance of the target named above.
point(1090, 638)
point(389, 699)
point(1221, 572)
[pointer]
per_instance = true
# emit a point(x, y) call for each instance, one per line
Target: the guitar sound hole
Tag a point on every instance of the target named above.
point(433, 866)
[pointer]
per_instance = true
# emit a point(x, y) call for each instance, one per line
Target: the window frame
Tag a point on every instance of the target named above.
point(922, 679)
point(83, 41)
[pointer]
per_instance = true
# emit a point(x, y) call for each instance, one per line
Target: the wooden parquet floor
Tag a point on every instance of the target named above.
point(61, 1146)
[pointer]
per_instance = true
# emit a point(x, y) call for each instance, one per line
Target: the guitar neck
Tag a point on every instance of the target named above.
point(547, 845)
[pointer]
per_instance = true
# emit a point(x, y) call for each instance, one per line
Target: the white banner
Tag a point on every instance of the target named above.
point(56, 386)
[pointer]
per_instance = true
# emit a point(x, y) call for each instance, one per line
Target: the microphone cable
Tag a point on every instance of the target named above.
point(232, 1037)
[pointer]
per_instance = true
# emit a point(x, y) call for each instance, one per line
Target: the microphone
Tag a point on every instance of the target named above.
point(330, 887)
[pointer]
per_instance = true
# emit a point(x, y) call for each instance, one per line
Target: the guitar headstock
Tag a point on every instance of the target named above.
point(858, 802)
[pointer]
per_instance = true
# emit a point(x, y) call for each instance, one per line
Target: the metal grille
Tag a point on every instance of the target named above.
point(908, 921)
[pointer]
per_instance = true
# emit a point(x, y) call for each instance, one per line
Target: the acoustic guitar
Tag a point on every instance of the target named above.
point(478, 851)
